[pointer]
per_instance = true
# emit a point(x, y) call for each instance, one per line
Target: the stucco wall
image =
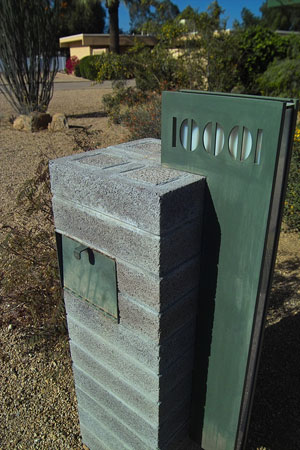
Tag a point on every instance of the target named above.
point(98, 51)
point(80, 51)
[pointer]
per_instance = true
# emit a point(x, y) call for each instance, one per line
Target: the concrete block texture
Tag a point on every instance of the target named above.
point(133, 377)
point(84, 322)
point(154, 253)
point(94, 398)
point(138, 192)
point(153, 290)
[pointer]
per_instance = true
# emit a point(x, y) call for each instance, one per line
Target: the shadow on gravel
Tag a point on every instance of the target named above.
point(286, 279)
point(90, 115)
point(275, 420)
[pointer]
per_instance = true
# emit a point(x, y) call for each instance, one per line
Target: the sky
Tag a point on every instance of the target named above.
point(232, 9)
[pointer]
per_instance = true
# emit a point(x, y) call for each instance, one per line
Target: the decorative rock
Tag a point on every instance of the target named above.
point(59, 122)
point(22, 123)
point(32, 122)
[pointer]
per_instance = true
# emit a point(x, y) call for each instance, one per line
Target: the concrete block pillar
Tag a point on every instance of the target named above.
point(133, 376)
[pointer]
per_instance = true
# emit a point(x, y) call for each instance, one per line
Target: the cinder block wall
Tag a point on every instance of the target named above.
point(133, 378)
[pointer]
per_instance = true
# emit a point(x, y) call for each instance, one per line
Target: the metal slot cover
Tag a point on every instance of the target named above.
point(90, 275)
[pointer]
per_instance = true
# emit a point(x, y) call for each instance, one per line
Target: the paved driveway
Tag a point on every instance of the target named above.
point(70, 82)
point(64, 82)
point(74, 85)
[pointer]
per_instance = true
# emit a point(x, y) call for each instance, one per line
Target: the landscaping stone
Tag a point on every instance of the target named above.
point(32, 122)
point(59, 122)
point(22, 122)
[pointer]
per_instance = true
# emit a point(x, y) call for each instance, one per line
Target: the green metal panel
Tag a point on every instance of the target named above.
point(275, 3)
point(236, 142)
point(90, 275)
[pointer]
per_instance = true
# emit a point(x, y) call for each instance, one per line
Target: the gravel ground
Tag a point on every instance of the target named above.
point(37, 393)
point(38, 404)
point(36, 388)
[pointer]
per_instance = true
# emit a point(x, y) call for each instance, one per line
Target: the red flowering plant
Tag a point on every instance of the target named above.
point(71, 64)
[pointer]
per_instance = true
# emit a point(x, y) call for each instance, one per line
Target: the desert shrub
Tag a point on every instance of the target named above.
point(153, 69)
point(71, 64)
point(281, 79)
point(88, 67)
point(121, 99)
point(144, 119)
point(139, 111)
point(157, 70)
point(28, 259)
point(291, 213)
point(112, 66)
point(27, 53)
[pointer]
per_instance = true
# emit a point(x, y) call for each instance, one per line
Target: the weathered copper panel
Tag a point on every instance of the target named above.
point(242, 145)
point(90, 275)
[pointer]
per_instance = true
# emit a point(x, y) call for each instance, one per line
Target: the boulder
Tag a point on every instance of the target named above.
point(22, 122)
point(59, 122)
point(34, 121)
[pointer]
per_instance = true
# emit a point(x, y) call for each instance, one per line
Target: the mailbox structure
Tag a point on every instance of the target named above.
point(166, 271)
point(242, 145)
point(129, 234)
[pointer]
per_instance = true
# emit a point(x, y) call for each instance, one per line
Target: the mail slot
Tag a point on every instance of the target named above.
point(89, 274)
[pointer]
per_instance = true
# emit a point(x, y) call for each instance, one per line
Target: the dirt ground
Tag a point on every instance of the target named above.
point(36, 389)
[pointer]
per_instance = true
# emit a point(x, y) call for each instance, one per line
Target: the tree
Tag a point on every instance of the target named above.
point(248, 20)
point(164, 7)
point(257, 47)
point(27, 52)
point(149, 15)
point(281, 18)
point(207, 49)
point(113, 14)
point(81, 17)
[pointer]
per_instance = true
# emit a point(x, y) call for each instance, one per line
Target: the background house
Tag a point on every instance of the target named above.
point(81, 45)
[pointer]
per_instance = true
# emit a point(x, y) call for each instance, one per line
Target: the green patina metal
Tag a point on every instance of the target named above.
point(89, 274)
point(242, 145)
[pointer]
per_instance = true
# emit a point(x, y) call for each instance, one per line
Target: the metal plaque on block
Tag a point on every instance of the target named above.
point(242, 144)
point(89, 274)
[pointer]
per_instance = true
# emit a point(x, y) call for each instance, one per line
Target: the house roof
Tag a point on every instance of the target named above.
point(102, 40)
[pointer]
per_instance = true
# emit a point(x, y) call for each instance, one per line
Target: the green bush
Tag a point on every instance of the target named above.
point(256, 48)
point(153, 70)
point(88, 67)
point(107, 66)
point(291, 213)
point(293, 46)
point(112, 66)
point(281, 79)
point(157, 70)
point(77, 71)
